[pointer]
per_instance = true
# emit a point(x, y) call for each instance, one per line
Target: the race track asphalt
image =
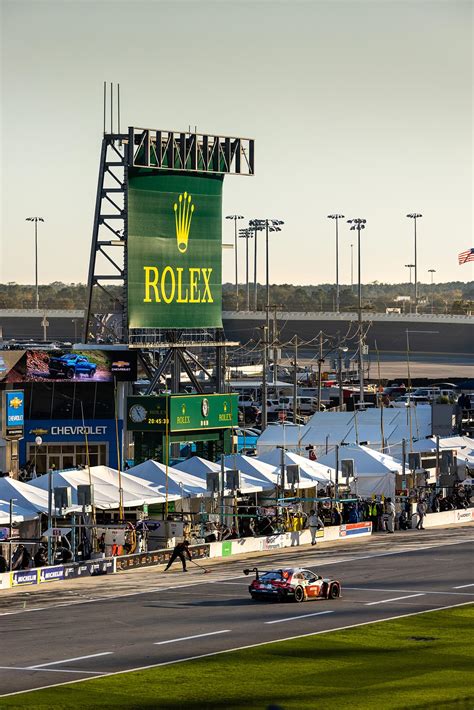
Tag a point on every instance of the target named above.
point(145, 617)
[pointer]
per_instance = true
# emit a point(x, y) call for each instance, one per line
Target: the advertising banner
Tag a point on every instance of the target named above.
point(158, 557)
point(78, 365)
point(174, 250)
point(355, 529)
point(185, 412)
point(14, 417)
point(24, 577)
point(91, 568)
point(50, 574)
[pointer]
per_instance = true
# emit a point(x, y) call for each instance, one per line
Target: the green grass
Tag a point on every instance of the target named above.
point(423, 661)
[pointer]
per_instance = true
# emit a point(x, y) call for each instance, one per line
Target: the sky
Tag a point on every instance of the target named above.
point(361, 107)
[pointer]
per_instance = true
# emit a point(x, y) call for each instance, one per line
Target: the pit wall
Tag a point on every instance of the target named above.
point(449, 517)
point(226, 548)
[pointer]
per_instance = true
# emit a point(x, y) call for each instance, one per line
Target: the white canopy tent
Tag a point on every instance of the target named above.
point(312, 473)
point(180, 483)
point(200, 467)
point(463, 446)
point(266, 475)
point(374, 471)
point(280, 435)
point(106, 487)
point(326, 429)
point(28, 502)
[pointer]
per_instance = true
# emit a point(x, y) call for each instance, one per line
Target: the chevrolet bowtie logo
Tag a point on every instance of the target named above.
point(16, 402)
point(183, 214)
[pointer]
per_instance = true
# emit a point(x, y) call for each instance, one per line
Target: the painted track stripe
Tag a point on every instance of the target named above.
point(240, 648)
point(463, 586)
point(49, 670)
point(395, 599)
point(301, 616)
point(430, 591)
point(69, 660)
point(188, 638)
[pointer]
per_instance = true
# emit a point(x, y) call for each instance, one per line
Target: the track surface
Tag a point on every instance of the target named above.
point(145, 617)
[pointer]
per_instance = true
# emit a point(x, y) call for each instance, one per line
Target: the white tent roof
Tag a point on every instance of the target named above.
point(280, 434)
point(351, 427)
point(200, 467)
point(311, 472)
point(267, 476)
point(153, 474)
point(367, 486)
point(106, 487)
point(367, 462)
point(28, 501)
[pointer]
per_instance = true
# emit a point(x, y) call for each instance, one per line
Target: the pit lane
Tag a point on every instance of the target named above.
point(192, 615)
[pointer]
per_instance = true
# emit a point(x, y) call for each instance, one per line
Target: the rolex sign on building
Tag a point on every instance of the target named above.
point(174, 250)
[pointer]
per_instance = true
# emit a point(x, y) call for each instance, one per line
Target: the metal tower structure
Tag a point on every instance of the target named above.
point(178, 152)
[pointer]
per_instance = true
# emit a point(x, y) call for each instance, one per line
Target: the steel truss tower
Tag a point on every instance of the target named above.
point(163, 150)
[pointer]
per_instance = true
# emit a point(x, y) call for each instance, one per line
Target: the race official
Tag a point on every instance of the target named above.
point(181, 550)
point(421, 512)
point(390, 515)
point(314, 523)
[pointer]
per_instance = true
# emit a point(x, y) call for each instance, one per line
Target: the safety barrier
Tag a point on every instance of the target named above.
point(227, 548)
point(224, 548)
point(447, 517)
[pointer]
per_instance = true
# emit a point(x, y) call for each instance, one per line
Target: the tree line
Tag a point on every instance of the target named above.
point(449, 297)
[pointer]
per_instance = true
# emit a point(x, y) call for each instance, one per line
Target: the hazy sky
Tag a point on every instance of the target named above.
point(360, 107)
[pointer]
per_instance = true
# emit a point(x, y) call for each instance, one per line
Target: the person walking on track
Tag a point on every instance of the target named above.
point(421, 511)
point(181, 550)
point(314, 523)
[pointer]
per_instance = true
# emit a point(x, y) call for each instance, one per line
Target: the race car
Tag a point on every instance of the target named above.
point(292, 584)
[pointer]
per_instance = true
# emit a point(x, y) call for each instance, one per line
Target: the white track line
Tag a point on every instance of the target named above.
point(296, 618)
point(188, 638)
point(394, 599)
point(463, 586)
point(241, 648)
point(379, 589)
point(69, 660)
point(49, 670)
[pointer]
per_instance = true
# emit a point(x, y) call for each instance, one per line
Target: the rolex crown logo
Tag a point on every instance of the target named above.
point(183, 214)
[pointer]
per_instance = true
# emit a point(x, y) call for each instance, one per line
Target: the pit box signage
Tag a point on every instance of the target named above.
point(24, 577)
point(50, 574)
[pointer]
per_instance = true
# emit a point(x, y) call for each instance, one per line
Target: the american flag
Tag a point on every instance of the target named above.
point(466, 256)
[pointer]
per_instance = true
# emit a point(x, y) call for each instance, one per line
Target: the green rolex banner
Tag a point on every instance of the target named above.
point(174, 250)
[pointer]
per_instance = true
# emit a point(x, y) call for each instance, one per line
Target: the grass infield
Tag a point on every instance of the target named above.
point(423, 661)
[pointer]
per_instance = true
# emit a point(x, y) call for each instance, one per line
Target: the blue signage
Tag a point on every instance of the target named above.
point(68, 431)
point(50, 574)
point(14, 413)
point(27, 576)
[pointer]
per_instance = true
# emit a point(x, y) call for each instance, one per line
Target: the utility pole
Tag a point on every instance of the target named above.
point(295, 383)
point(275, 347)
point(339, 377)
point(320, 363)
point(359, 224)
point(264, 378)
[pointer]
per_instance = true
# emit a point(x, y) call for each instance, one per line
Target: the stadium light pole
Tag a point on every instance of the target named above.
point(337, 217)
point(352, 268)
point(256, 228)
point(36, 220)
point(410, 267)
point(236, 217)
point(359, 224)
point(246, 234)
point(432, 271)
point(414, 216)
